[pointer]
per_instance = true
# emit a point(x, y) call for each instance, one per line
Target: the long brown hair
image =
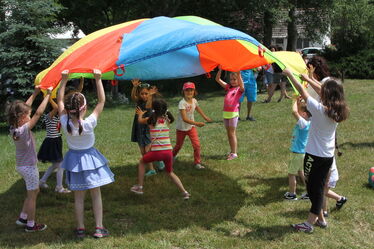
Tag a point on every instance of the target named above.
point(74, 102)
point(332, 96)
point(15, 111)
point(321, 68)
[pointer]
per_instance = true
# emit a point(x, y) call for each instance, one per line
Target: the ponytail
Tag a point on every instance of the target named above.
point(74, 104)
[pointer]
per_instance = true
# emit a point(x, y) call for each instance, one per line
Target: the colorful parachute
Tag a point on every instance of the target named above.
point(163, 48)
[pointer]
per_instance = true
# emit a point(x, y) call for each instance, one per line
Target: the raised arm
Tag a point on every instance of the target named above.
point(304, 94)
point(241, 84)
point(135, 84)
point(32, 97)
point(61, 92)
point(295, 109)
point(100, 93)
point(316, 85)
point(54, 108)
point(200, 111)
point(80, 86)
point(40, 109)
point(218, 78)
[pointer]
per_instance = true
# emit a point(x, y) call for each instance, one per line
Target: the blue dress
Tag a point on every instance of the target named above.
point(85, 166)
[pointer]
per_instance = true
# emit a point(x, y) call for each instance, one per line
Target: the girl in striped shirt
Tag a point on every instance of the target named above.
point(51, 149)
point(161, 149)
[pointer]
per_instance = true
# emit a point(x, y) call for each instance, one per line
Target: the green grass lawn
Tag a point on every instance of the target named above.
point(234, 204)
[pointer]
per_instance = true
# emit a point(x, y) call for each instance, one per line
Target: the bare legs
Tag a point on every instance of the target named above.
point(29, 205)
point(231, 135)
point(97, 206)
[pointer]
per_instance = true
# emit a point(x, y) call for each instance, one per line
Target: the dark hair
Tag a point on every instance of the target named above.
point(15, 111)
point(160, 109)
point(320, 65)
point(332, 96)
point(73, 102)
point(303, 108)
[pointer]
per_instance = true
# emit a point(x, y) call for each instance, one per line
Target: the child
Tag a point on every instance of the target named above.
point(250, 90)
point(320, 146)
point(161, 149)
point(299, 139)
point(86, 168)
point(333, 179)
point(231, 108)
point(140, 132)
point(51, 149)
point(186, 122)
point(21, 123)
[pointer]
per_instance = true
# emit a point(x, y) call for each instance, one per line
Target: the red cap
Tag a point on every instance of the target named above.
point(188, 85)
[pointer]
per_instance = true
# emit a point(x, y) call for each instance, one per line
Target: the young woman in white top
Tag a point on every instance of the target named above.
point(326, 114)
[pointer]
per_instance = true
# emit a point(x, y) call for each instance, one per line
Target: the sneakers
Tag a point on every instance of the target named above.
point(35, 228)
point(199, 166)
point(21, 222)
point(304, 196)
point(341, 202)
point(250, 118)
point(232, 156)
point(137, 189)
point(62, 190)
point(100, 232)
point(43, 184)
point(325, 214)
point(290, 196)
point(80, 233)
point(303, 227)
point(160, 165)
point(150, 172)
point(321, 224)
point(186, 195)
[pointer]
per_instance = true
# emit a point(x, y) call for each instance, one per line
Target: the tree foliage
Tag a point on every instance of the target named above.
point(26, 47)
point(352, 26)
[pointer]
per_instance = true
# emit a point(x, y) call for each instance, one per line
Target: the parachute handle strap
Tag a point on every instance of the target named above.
point(122, 67)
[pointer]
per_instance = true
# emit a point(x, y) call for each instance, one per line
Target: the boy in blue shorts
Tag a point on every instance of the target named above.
point(250, 90)
point(298, 143)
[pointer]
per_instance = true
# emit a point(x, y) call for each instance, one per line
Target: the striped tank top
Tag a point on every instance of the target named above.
point(160, 136)
point(52, 126)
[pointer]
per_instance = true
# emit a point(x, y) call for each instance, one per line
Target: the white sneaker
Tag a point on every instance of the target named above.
point(43, 184)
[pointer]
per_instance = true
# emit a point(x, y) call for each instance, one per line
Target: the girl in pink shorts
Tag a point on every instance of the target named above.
point(234, 91)
point(161, 149)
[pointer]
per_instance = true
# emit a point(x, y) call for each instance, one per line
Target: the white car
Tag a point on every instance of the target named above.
point(311, 51)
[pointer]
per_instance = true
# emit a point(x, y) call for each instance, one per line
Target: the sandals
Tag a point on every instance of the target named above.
point(62, 190)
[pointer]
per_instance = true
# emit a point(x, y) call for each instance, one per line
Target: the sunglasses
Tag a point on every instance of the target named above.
point(145, 85)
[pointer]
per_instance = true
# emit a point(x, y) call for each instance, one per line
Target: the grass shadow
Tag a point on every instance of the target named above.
point(356, 145)
point(160, 208)
point(272, 189)
point(258, 232)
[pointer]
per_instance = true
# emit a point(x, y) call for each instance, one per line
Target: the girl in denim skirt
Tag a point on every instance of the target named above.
point(86, 168)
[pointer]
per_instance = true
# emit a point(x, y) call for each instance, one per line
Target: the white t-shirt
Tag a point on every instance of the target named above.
point(86, 139)
point(190, 109)
point(321, 140)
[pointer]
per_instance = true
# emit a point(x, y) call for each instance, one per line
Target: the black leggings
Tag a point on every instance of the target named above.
point(316, 170)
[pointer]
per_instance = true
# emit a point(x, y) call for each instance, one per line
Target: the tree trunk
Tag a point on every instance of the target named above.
point(291, 30)
point(268, 28)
